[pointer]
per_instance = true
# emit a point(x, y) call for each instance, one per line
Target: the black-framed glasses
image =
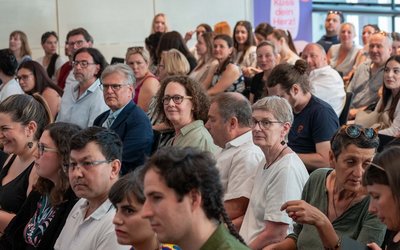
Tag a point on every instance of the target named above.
point(78, 43)
point(84, 164)
point(43, 148)
point(83, 64)
point(23, 77)
point(177, 99)
point(371, 164)
point(263, 124)
point(114, 87)
point(354, 131)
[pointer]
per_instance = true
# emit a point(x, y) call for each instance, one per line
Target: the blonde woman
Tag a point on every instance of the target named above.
point(159, 23)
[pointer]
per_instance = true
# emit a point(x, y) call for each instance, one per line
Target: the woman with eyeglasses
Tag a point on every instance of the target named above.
point(22, 120)
point(279, 178)
point(33, 79)
point(334, 203)
point(183, 105)
point(386, 115)
point(146, 85)
point(42, 217)
point(382, 180)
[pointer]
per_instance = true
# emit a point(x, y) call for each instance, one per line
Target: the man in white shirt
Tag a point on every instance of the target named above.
point(95, 161)
point(325, 82)
point(8, 66)
point(83, 102)
point(229, 123)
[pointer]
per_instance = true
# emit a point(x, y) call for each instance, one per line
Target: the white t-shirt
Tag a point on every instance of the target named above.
point(281, 182)
point(10, 88)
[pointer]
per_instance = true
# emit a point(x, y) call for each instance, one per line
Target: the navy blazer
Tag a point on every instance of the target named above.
point(134, 128)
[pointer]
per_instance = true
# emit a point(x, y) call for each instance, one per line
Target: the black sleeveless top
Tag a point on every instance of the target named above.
point(13, 194)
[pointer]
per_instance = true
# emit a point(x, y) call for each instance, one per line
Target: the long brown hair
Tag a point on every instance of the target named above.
point(387, 94)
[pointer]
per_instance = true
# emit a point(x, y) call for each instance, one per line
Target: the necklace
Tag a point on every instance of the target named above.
point(347, 206)
point(276, 158)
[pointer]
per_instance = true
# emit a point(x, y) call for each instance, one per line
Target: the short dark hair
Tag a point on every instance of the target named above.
point(8, 62)
point(234, 105)
point(187, 169)
point(129, 186)
point(341, 141)
point(108, 141)
point(287, 75)
point(80, 31)
point(98, 58)
point(46, 35)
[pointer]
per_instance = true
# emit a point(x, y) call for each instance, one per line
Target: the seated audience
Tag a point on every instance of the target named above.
point(51, 61)
point(33, 79)
point(200, 30)
point(229, 123)
point(395, 43)
point(151, 46)
point(368, 77)
point(332, 24)
point(127, 197)
point(245, 49)
point(279, 178)
point(83, 102)
point(262, 31)
point(334, 203)
point(227, 77)
point(95, 162)
point(342, 57)
point(146, 85)
point(8, 67)
point(206, 62)
point(315, 122)
point(386, 115)
point(381, 179)
point(22, 120)
point(267, 59)
point(283, 42)
point(125, 117)
point(159, 24)
point(325, 82)
point(367, 31)
point(42, 217)
point(183, 105)
point(19, 46)
point(184, 201)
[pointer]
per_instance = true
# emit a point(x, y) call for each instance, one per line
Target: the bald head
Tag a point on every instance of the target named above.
point(314, 54)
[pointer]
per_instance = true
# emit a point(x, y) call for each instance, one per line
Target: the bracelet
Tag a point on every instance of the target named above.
point(337, 246)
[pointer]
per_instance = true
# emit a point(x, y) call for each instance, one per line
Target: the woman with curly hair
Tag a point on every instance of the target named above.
point(183, 104)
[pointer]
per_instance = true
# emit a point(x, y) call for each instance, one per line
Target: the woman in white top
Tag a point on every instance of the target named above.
point(283, 43)
point(342, 57)
point(386, 116)
point(51, 61)
point(245, 49)
point(206, 63)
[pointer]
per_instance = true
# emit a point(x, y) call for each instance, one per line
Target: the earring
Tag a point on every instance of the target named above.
point(283, 142)
point(30, 144)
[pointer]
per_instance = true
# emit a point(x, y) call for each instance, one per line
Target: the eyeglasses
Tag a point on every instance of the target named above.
point(114, 87)
point(23, 77)
point(42, 148)
point(371, 164)
point(85, 165)
point(177, 99)
point(354, 131)
point(263, 124)
point(83, 64)
point(78, 43)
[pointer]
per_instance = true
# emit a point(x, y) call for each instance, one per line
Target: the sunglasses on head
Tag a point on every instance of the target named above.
point(354, 131)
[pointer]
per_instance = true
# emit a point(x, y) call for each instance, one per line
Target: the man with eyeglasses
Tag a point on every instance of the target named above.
point(229, 123)
point(332, 24)
point(125, 117)
point(368, 76)
point(95, 162)
point(76, 39)
point(83, 102)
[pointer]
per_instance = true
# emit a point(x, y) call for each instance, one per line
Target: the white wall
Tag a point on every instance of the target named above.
point(114, 24)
